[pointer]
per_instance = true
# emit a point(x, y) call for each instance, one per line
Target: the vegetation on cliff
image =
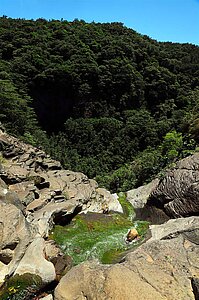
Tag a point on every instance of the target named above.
point(100, 98)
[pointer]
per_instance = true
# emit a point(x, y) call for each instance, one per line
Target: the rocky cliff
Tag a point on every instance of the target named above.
point(178, 191)
point(36, 193)
point(175, 195)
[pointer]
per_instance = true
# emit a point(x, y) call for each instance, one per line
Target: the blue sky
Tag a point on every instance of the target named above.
point(164, 20)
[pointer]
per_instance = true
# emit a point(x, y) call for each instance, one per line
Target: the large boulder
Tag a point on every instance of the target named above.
point(138, 197)
point(93, 281)
point(34, 262)
point(161, 268)
point(53, 213)
point(15, 236)
point(178, 192)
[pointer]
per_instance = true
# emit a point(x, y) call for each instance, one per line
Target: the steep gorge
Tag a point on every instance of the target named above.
point(36, 191)
point(120, 107)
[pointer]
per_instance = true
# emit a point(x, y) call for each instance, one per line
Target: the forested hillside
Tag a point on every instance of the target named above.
point(100, 98)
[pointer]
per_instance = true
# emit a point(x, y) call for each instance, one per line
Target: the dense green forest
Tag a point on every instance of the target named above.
point(101, 98)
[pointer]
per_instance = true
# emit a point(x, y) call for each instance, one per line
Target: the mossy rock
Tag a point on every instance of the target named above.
point(128, 209)
point(21, 287)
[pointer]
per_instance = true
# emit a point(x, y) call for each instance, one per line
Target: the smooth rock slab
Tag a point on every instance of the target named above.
point(93, 281)
point(174, 227)
point(34, 262)
point(138, 197)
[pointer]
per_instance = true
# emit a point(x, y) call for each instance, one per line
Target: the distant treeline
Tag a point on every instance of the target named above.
point(101, 98)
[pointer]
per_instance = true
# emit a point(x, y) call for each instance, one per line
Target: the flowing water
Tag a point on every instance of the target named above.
point(88, 236)
point(99, 236)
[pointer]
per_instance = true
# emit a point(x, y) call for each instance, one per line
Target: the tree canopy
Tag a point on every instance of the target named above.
point(102, 98)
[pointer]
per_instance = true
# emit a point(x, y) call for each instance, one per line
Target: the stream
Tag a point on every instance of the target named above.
point(99, 236)
point(88, 236)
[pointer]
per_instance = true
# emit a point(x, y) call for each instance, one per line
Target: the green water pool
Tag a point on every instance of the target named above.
point(97, 236)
